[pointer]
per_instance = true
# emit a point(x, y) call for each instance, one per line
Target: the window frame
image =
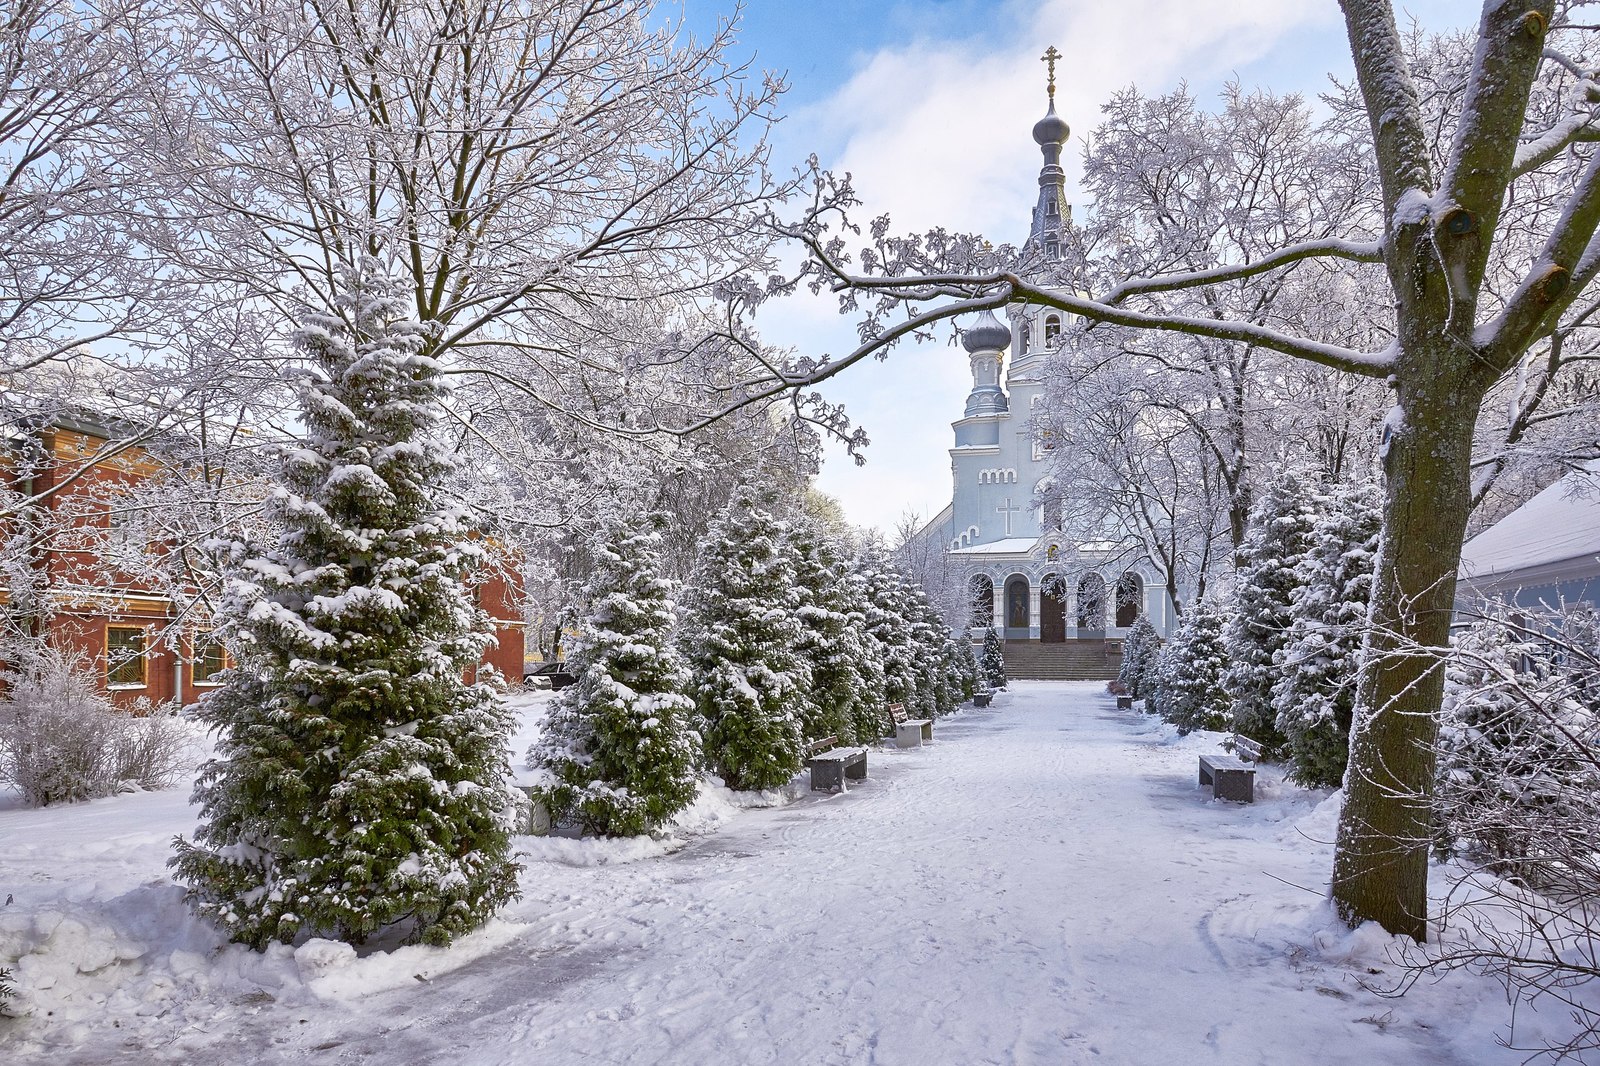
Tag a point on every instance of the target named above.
point(199, 645)
point(141, 661)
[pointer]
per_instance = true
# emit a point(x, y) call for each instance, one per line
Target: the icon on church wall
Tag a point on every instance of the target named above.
point(1017, 603)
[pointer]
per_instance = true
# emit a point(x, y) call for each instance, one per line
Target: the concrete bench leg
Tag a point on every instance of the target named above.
point(1205, 778)
point(857, 771)
point(927, 732)
point(827, 777)
point(908, 736)
point(1237, 785)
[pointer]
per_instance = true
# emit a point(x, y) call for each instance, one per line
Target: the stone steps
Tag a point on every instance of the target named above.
point(1086, 660)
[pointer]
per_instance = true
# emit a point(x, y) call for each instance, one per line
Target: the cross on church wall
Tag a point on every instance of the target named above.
point(1007, 510)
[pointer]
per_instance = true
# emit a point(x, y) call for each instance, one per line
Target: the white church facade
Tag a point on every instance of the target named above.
point(1035, 584)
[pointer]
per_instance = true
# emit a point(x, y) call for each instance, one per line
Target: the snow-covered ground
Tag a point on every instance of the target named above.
point(1043, 884)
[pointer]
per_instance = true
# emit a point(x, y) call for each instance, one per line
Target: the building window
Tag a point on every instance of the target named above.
point(210, 659)
point(1052, 330)
point(125, 657)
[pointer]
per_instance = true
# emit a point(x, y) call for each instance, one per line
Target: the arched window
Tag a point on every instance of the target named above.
point(1092, 602)
point(1052, 330)
point(982, 601)
point(1130, 599)
point(1017, 603)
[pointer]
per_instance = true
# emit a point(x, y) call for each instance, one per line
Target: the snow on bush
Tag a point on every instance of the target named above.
point(846, 699)
point(1315, 693)
point(1518, 803)
point(741, 637)
point(1140, 652)
point(993, 659)
point(1274, 542)
point(619, 754)
point(1191, 693)
point(62, 741)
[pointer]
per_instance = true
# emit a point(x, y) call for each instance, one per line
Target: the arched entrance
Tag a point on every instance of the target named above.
point(1130, 599)
point(982, 592)
point(1091, 606)
point(1052, 610)
point(1017, 608)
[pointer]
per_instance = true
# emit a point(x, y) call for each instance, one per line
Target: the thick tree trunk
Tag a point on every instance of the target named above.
point(1381, 864)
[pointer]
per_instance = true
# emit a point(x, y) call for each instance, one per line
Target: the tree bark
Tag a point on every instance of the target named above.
point(1381, 861)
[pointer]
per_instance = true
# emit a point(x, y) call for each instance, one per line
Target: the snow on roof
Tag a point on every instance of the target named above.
point(1010, 546)
point(1559, 525)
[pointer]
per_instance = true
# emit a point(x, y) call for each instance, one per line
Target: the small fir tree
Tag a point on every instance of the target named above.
point(1315, 693)
point(993, 660)
point(619, 754)
point(742, 638)
point(966, 664)
point(1274, 543)
point(359, 783)
point(1140, 652)
point(1519, 746)
point(892, 622)
point(1193, 670)
point(846, 694)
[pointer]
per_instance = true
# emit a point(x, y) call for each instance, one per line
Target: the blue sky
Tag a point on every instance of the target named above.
point(929, 106)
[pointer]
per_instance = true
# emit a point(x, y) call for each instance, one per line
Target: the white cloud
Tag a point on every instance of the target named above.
point(936, 133)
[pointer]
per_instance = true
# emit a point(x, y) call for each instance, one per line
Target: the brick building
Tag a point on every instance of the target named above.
point(89, 586)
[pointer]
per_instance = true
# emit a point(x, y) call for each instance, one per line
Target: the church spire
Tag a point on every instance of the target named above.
point(1051, 213)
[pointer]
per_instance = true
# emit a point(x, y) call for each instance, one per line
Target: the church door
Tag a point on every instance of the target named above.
point(1052, 611)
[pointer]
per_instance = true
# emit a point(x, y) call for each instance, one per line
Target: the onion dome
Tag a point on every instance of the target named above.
point(1052, 129)
point(988, 334)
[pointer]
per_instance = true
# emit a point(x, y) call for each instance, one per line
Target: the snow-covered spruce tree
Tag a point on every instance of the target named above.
point(1315, 693)
point(359, 782)
point(620, 753)
point(1519, 747)
point(846, 696)
point(742, 638)
point(1140, 651)
point(890, 622)
point(966, 664)
point(1193, 670)
point(993, 659)
point(937, 688)
point(1274, 543)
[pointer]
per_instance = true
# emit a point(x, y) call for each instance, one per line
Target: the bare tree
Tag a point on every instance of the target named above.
point(72, 273)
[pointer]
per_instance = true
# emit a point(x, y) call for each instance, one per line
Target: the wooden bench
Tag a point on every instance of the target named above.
point(830, 765)
point(1228, 778)
point(909, 732)
point(981, 699)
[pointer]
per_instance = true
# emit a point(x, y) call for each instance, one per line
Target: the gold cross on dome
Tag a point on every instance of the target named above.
point(1050, 56)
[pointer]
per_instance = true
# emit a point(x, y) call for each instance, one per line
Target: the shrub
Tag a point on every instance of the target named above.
point(62, 741)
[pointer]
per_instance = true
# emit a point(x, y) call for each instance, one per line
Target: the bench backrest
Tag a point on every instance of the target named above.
point(897, 711)
point(821, 744)
point(1246, 748)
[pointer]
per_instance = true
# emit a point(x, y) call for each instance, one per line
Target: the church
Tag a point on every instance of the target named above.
point(1062, 604)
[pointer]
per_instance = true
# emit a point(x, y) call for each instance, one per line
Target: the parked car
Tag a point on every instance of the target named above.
point(553, 675)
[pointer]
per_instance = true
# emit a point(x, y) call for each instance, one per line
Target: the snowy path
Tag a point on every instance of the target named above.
point(1044, 884)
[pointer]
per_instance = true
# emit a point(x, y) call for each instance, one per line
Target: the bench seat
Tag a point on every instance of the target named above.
point(1228, 778)
point(909, 732)
point(831, 767)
